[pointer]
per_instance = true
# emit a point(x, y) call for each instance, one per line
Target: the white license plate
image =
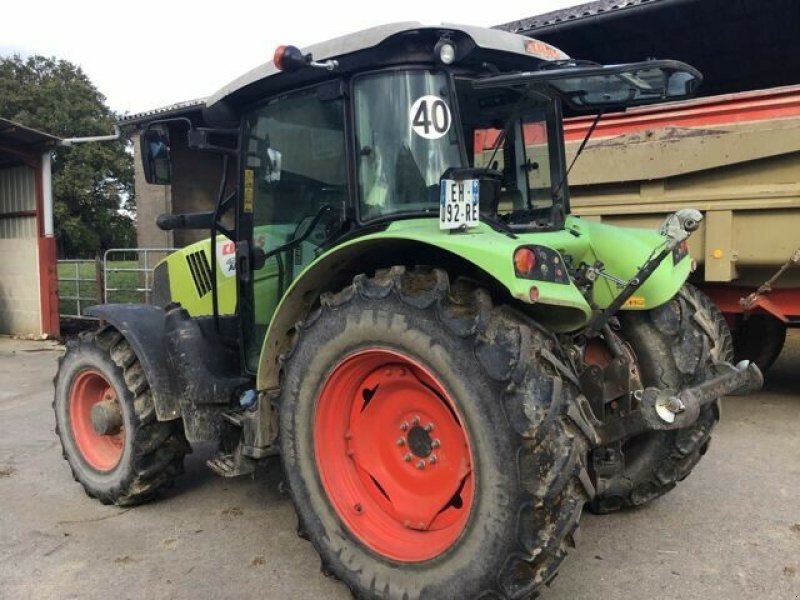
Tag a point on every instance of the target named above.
point(458, 204)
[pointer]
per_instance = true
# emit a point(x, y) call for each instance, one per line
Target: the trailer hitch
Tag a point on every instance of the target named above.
point(663, 410)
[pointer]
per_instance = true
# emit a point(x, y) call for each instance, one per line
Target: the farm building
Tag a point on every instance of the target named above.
point(28, 288)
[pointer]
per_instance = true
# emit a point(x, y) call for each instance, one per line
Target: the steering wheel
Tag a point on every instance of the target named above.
point(308, 229)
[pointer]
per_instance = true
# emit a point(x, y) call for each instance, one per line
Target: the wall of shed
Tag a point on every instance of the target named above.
point(19, 268)
point(196, 177)
point(151, 201)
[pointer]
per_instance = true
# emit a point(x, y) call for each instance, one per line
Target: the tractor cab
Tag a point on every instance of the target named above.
point(456, 125)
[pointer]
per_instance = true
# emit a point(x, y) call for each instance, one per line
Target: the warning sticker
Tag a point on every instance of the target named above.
point(430, 117)
point(247, 196)
point(635, 302)
point(226, 258)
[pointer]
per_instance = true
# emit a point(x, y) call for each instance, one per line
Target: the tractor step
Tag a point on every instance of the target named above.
point(231, 465)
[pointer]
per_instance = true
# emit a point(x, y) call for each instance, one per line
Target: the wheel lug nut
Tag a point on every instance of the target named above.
point(407, 457)
point(435, 444)
point(432, 460)
point(403, 426)
point(400, 442)
point(415, 421)
point(429, 427)
point(421, 464)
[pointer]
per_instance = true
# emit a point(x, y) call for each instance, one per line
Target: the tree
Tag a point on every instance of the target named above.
point(94, 204)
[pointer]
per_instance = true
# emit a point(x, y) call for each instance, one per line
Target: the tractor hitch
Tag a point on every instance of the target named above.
point(664, 410)
point(661, 410)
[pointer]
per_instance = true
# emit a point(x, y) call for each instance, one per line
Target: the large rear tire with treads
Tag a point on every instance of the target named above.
point(426, 444)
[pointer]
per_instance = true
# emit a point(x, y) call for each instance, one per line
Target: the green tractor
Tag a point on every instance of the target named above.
point(395, 299)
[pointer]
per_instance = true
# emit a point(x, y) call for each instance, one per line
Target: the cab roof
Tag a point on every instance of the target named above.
point(482, 38)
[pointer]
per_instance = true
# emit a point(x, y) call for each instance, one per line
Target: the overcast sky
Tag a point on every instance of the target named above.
point(148, 53)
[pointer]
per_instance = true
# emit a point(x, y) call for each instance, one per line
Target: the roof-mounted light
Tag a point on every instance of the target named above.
point(290, 58)
point(445, 51)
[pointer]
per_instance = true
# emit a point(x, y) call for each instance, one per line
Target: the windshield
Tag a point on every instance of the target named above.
point(405, 140)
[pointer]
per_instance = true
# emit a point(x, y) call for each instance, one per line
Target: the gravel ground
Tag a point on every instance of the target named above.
point(732, 530)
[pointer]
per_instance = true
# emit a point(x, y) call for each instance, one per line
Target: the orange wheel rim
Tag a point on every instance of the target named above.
point(393, 455)
point(102, 452)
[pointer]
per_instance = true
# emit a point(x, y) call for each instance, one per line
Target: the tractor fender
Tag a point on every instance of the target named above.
point(142, 325)
point(335, 269)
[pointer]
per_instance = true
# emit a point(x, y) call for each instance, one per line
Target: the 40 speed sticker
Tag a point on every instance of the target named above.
point(430, 117)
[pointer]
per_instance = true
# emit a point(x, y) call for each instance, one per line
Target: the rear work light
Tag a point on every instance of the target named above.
point(541, 264)
point(524, 261)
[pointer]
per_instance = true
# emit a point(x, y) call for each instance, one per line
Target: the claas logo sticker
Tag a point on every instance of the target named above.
point(542, 50)
point(226, 258)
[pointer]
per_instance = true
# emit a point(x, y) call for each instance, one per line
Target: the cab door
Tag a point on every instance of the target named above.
point(294, 197)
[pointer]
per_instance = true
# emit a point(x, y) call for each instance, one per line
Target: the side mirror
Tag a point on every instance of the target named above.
point(154, 146)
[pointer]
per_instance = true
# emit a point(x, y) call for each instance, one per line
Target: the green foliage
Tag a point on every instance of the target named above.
point(91, 182)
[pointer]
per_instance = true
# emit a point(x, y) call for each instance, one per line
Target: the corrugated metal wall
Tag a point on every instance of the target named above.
point(19, 267)
point(17, 194)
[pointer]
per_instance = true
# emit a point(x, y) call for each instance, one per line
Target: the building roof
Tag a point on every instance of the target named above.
point(573, 13)
point(738, 45)
point(172, 110)
point(22, 137)
point(18, 142)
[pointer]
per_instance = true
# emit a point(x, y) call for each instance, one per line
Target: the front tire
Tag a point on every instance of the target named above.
point(675, 346)
point(133, 455)
point(380, 373)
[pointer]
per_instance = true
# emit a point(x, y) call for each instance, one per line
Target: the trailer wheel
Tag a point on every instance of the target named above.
point(675, 345)
point(425, 442)
point(106, 421)
point(759, 338)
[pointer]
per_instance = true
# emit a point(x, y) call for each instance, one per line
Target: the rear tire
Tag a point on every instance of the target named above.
point(141, 456)
point(675, 346)
point(523, 494)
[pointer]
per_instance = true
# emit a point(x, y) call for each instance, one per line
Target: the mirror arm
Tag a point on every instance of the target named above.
point(198, 220)
point(197, 138)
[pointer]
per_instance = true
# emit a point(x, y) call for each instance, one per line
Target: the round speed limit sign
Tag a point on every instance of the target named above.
point(430, 117)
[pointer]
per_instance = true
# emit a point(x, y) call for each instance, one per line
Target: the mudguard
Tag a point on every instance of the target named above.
point(143, 328)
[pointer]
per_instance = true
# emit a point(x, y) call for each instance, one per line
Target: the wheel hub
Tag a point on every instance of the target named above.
point(95, 419)
point(405, 495)
point(106, 417)
point(420, 442)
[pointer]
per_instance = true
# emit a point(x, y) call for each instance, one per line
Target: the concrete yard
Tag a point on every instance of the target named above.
point(732, 530)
